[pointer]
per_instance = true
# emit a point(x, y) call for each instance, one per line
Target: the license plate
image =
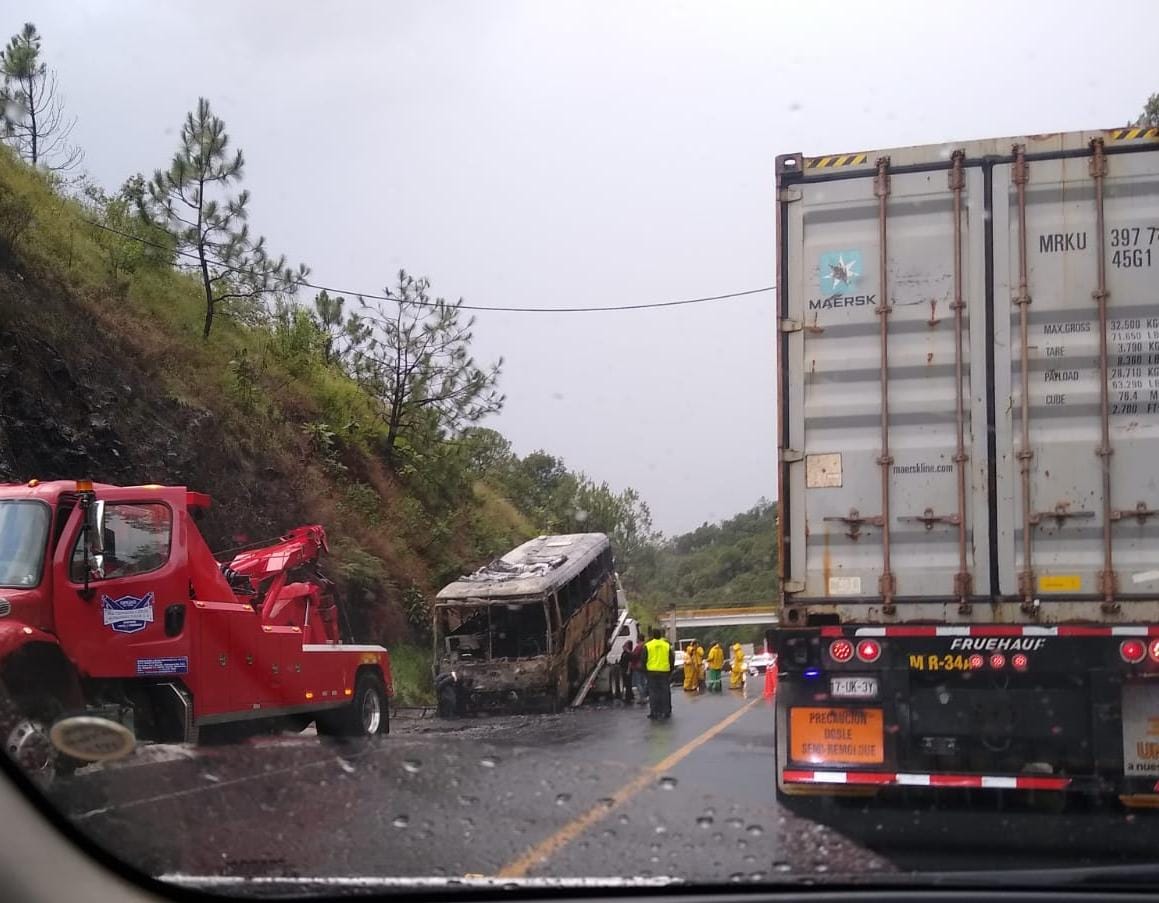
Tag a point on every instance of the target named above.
point(922, 662)
point(1141, 729)
point(853, 687)
point(835, 736)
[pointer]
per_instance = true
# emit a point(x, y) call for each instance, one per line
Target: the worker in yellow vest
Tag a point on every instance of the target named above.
point(658, 662)
point(736, 678)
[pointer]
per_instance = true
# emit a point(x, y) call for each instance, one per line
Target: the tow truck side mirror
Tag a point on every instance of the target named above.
point(95, 527)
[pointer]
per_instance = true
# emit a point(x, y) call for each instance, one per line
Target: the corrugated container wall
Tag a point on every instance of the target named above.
point(917, 482)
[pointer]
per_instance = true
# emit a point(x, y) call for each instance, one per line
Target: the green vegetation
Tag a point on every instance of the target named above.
point(191, 201)
point(413, 681)
point(32, 114)
point(716, 565)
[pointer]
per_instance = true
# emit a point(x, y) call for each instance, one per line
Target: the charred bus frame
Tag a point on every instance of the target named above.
point(526, 628)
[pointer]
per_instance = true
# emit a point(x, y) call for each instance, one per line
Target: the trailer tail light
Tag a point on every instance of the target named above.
point(868, 651)
point(1132, 651)
point(1019, 662)
point(1153, 650)
point(977, 662)
point(841, 651)
point(998, 661)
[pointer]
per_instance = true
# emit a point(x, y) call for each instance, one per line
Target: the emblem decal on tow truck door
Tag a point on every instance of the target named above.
point(128, 614)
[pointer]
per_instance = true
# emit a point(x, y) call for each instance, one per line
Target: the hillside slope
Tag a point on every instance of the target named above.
point(103, 375)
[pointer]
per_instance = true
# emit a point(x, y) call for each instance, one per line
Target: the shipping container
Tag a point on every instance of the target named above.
point(968, 436)
point(939, 456)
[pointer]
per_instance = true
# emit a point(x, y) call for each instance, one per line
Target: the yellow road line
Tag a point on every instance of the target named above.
point(518, 868)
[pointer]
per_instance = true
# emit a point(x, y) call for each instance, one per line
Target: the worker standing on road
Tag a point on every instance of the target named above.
point(638, 674)
point(700, 668)
point(624, 670)
point(691, 669)
point(736, 678)
point(658, 664)
point(715, 666)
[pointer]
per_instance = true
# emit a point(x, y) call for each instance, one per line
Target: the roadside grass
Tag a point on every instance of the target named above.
point(410, 666)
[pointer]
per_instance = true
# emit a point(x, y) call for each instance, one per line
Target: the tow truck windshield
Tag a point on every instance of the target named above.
point(23, 536)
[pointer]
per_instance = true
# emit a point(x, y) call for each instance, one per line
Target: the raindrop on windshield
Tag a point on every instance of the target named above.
point(736, 877)
point(412, 766)
point(782, 867)
point(563, 799)
point(489, 761)
point(705, 821)
point(401, 821)
point(755, 830)
point(821, 867)
point(667, 783)
point(734, 822)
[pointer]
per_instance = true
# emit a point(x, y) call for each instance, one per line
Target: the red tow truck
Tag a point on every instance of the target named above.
point(112, 606)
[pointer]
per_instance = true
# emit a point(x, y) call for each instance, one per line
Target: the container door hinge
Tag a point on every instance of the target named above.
point(791, 326)
point(791, 455)
point(789, 195)
point(792, 586)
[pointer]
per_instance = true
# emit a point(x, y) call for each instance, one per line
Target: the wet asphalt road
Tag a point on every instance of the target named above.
point(600, 792)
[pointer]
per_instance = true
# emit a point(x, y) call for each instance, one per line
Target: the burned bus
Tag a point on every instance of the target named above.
point(526, 629)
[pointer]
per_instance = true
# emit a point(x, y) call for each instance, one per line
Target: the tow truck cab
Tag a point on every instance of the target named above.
point(111, 600)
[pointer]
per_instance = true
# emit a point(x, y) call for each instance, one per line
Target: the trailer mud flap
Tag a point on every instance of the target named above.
point(836, 736)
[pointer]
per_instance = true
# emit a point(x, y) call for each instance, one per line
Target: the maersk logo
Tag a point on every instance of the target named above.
point(839, 302)
point(840, 272)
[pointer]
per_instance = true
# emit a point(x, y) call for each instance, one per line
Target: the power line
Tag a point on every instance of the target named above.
point(303, 283)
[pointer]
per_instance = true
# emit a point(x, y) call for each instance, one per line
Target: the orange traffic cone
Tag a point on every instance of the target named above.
point(771, 679)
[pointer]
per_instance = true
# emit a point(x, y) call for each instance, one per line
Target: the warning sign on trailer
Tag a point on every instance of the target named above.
point(837, 736)
point(1141, 728)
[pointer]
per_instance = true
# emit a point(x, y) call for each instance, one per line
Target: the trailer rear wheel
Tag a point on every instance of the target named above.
point(367, 715)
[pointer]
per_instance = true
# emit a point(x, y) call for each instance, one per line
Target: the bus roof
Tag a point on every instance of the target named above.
point(533, 569)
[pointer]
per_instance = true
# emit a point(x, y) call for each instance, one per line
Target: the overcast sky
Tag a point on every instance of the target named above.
point(562, 154)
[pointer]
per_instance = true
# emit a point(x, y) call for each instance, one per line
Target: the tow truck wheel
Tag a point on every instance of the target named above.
point(27, 744)
point(26, 741)
point(366, 716)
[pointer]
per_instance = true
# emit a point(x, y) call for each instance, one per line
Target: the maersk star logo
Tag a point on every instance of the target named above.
point(840, 271)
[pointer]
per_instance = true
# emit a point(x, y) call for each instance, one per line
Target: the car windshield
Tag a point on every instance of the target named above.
point(23, 538)
point(581, 445)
